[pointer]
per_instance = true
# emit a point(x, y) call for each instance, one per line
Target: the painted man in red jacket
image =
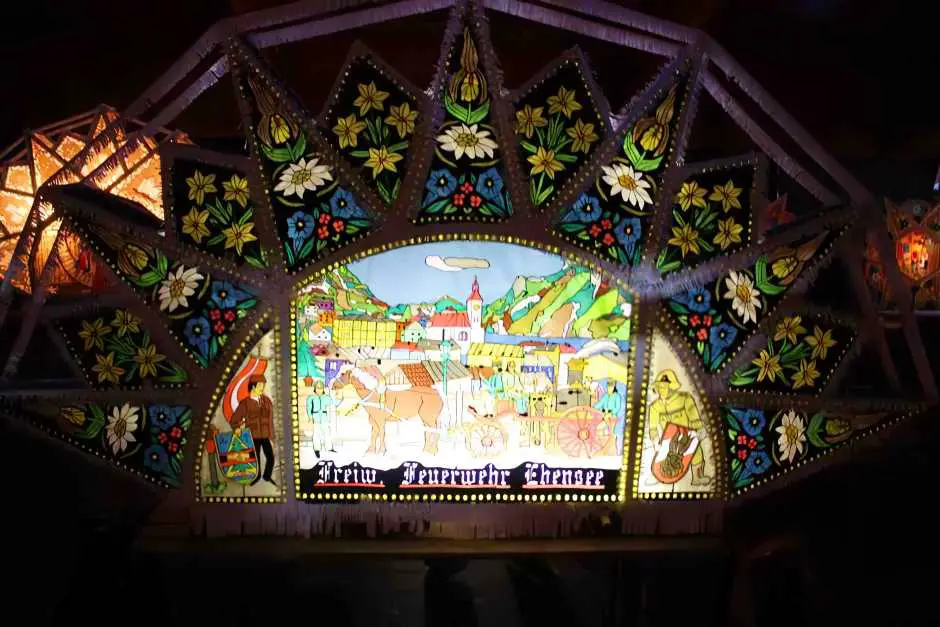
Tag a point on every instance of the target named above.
point(257, 413)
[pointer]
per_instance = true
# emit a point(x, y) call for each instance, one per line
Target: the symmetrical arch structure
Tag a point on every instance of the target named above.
point(455, 292)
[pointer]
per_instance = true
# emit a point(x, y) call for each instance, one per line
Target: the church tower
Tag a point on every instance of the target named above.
point(475, 313)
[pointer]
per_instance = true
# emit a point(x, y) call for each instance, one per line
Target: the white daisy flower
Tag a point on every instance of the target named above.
point(792, 436)
point(176, 287)
point(744, 298)
point(467, 140)
point(631, 185)
point(121, 426)
point(303, 176)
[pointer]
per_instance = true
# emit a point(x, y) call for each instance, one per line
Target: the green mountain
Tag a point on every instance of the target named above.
point(567, 303)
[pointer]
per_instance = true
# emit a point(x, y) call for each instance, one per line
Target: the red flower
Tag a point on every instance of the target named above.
point(215, 314)
point(338, 225)
point(606, 224)
point(162, 438)
point(694, 320)
point(219, 328)
point(458, 199)
point(595, 230)
point(752, 444)
point(608, 239)
point(475, 201)
point(742, 454)
point(323, 232)
point(229, 315)
point(325, 218)
point(172, 447)
point(466, 188)
point(707, 320)
point(742, 439)
point(702, 334)
point(176, 432)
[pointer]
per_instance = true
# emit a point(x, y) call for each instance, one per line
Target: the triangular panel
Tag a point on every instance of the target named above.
point(467, 179)
point(614, 216)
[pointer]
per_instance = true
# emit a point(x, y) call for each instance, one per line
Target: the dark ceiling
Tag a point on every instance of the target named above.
point(855, 73)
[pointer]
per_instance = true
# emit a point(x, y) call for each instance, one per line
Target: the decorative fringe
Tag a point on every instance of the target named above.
point(454, 522)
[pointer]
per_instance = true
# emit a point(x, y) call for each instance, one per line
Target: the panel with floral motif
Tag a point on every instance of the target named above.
point(115, 350)
point(763, 444)
point(213, 211)
point(613, 217)
point(467, 180)
point(372, 120)
point(144, 438)
point(558, 126)
point(801, 355)
point(200, 311)
point(315, 212)
point(711, 216)
point(717, 318)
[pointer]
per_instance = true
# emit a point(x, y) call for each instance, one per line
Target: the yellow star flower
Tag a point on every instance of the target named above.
point(820, 342)
point(199, 185)
point(238, 235)
point(236, 188)
point(727, 195)
point(348, 129)
point(685, 238)
point(94, 333)
point(194, 224)
point(402, 118)
point(789, 329)
point(370, 97)
point(563, 103)
point(806, 375)
point(545, 161)
point(729, 232)
point(380, 160)
point(125, 322)
point(769, 365)
point(582, 136)
point(691, 194)
point(528, 119)
point(106, 369)
point(147, 359)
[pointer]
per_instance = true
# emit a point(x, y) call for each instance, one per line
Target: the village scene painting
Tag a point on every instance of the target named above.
point(462, 355)
point(678, 453)
point(242, 451)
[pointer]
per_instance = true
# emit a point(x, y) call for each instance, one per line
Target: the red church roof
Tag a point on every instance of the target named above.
point(450, 318)
point(475, 291)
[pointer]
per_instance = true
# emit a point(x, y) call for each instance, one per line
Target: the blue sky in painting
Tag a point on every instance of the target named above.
point(403, 276)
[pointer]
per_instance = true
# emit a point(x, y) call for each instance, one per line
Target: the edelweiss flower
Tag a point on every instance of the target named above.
point(121, 426)
point(177, 287)
point(303, 176)
point(792, 436)
point(468, 140)
point(744, 298)
point(629, 184)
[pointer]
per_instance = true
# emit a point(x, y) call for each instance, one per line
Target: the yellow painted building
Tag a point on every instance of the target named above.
point(364, 332)
point(487, 355)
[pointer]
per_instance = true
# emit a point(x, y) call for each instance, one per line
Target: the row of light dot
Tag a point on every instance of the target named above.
point(251, 339)
point(353, 181)
point(693, 374)
point(295, 410)
point(451, 497)
point(821, 454)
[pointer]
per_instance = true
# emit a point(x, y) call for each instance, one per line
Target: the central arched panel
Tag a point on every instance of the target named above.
point(461, 370)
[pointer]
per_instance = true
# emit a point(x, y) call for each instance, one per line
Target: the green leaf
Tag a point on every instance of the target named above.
point(288, 203)
point(571, 227)
point(815, 428)
point(398, 147)
point(544, 194)
point(289, 253)
point(277, 155)
point(148, 279)
point(666, 267)
point(299, 148)
point(739, 379)
point(306, 249)
point(564, 158)
point(248, 303)
point(218, 239)
point(528, 147)
point(360, 154)
point(360, 223)
point(762, 282)
point(437, 206)
point(213, 348)
point(255, 262)
point(479, 114)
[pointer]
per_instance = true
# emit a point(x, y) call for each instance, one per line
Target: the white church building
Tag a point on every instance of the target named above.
point(459, 327)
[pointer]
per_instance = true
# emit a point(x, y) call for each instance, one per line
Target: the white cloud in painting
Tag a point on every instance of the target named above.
point(455, 264)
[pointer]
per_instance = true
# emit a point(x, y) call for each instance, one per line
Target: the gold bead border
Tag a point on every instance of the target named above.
point(720, 490)
point(339, 496)
point(809, 459)
point(251, 340)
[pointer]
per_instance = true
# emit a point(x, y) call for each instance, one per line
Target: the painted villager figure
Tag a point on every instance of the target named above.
point(611, 404)
point(320, 410)
point(256, 412)
point(676, 430)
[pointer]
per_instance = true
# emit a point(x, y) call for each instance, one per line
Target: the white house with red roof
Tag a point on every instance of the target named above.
point(460, 327)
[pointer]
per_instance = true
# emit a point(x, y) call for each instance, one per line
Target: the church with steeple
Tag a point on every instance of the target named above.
point(475, 313)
